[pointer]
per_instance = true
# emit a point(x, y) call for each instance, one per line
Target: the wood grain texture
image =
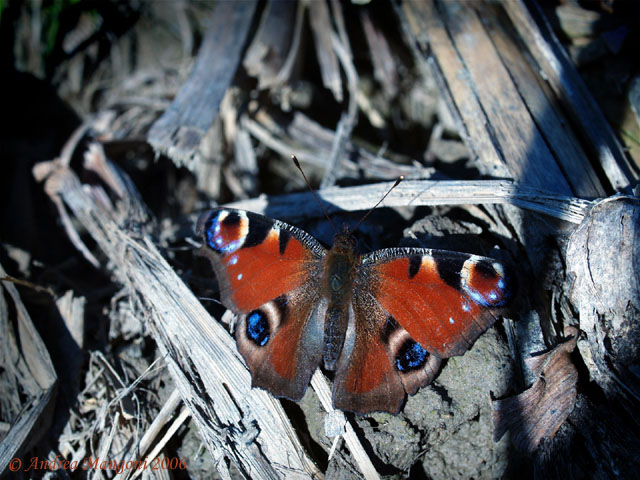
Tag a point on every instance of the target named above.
point(426, 32)
point(178, 132)
point(499, 123)
point(542, 105)
point(26, 364)
point(414, 193)
point(515, 133)
point(563, 78)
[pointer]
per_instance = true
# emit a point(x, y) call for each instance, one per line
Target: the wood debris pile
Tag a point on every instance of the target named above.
point(114, 347)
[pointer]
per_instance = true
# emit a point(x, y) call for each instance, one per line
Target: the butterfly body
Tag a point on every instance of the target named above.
point(382, 321)
point(338, 281)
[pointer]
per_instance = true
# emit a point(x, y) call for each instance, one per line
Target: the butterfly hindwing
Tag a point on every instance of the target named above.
point(378, 363)
point(282, 342)
point(268, 273)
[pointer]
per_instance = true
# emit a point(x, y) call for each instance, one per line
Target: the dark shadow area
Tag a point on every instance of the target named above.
point(299, 422)
point(576, 449)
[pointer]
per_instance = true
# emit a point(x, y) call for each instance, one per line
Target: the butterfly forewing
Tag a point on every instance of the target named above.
point(257, 259)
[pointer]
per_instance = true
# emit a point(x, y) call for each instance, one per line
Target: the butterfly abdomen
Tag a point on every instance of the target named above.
point(335, 329)
point(338, 287)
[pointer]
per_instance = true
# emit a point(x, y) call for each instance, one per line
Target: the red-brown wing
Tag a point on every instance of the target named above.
point(282, 342)
point(379, 362)
point(410, 308)
point(257, 259)
point(444, 300)
point(268, 272)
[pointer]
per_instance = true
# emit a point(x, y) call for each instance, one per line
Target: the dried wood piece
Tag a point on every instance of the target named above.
point(576, 21)
point(338, 18)
point(28, 376)
point(179, 131)
point(322, 30)
point(539, 411)
point(313, 144)
point(414, 193)
point(385, 69)
point(287, 69)
point(604, 257)
point(559, 72)
point(267, 54)
point(322, 389)
point(244, 174)
point(43, 170)
point(160, 422)
point(542, 103)
point(500, 128)
point(347, 121)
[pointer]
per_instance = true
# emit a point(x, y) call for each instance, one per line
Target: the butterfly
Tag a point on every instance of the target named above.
point(382, 321)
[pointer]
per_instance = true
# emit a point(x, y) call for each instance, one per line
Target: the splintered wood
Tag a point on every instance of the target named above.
point(194, 346)
point(506, 108)
point(28, 376)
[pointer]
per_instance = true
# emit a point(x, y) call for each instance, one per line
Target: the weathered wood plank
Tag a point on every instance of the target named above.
point(426, 32)
point(510, 127)
point(519, 140)
point(559, 72)
point(414, 193)
point(178, 132)
point(542, 104)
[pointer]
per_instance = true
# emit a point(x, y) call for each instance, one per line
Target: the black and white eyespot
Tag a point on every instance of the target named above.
point(408, 355)
point(414, 364)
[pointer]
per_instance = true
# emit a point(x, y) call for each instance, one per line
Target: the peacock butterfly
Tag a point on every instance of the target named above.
point(382, 321)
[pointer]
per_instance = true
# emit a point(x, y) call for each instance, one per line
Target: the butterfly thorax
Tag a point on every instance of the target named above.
point(338, 282)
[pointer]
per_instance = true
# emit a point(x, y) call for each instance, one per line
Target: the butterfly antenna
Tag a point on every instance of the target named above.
point(400, 178)
point(297, 164)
